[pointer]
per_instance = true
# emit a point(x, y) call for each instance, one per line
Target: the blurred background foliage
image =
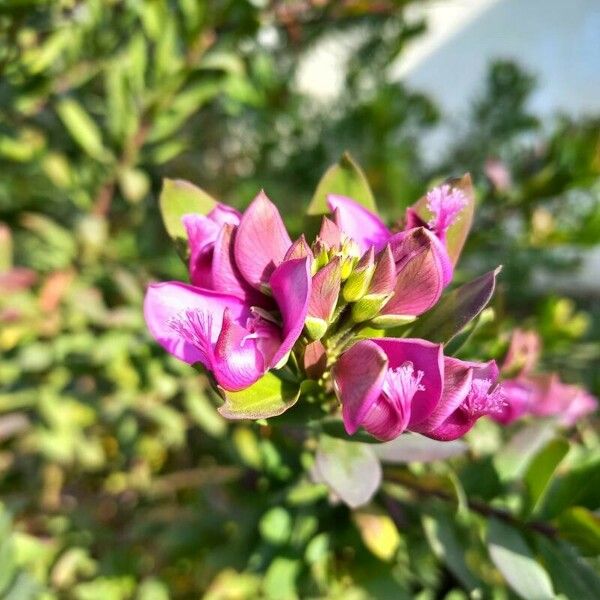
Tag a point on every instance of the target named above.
point(118, 479)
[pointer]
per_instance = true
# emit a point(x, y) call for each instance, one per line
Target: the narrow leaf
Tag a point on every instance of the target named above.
point(581, 527)
point(345, 178)
point(446, 543)
point(350, 470)
point(514, 559)
point(268, 397)
point(456, 309)
point(572, 576)
point(83, 128)
point(541, 470)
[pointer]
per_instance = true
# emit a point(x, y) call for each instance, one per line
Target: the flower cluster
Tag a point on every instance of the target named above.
point(537, 393)
point(259, 301)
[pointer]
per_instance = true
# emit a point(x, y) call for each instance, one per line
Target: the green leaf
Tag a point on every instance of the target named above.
point(456, 309)
point(268, 397)
point(275, 526)
point(413, 447)
point(83, 128)
point(280, 579)
point(541, 469)
point(581, 527)
point(457, 233)
point(512, 459)
point(514, 559)
point(445, 541)
point(571, 575)
point(345, 178)
point(351, 470)
point(580, 486)
point(179, 198)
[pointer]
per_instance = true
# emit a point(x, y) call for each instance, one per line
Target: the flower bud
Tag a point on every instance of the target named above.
point(391, 321)
point(358, 282)
point(323, 298)
point(368, 307)
point(316, 327)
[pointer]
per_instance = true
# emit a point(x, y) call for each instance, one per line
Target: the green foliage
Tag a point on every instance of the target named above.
point(118, 476)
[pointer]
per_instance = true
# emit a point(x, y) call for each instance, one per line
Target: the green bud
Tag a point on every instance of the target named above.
point(315, 327)
point(389, 321)
point(358, 283)
point(368, 307)
point(347, 267)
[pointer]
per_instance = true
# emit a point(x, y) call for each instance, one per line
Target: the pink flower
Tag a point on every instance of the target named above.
point(388, 386)
point(238, 267)
point(541, 394)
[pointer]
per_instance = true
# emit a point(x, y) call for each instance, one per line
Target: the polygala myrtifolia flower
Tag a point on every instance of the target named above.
point(258, 302)
point(540, 394)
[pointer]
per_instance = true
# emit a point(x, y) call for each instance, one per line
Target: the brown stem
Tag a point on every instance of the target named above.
point(475, 505)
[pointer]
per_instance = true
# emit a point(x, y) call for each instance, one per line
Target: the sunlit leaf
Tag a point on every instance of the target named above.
point(179, 198)
point(345, 178)
point(268, 397)
point(581, 527)
point(378, 531)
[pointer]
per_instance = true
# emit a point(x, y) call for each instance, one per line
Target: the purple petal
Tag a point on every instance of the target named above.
point(358, 377)
point(186, 321)
point(325, 290)
point(330, 233)
point(202, 233)
point(315, 359)
point(226, 277)
point(517, 395)
point(426, 357)
point(457, 383)
point(490, 403)
point(364, 227)
point(261, 242)
point(237, 362)
point(420, 278)
point(291, 286)
point(223, 214)
point(299, 249)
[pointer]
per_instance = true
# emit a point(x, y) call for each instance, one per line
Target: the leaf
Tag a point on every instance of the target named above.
point(279, 582)
point(378, 531)
point(512, 460)
point(345, 178)
point(579, 486)
point(179, 198)
point(413, 447)
point(275, 526)
point(515, 560)
point(540, 471)
point(351, 470)
point(458, 232)
point(446, 543)
point(268, 397)
point(581, 527)
point(572, 577)
point(83, 128)
point(456, 309)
